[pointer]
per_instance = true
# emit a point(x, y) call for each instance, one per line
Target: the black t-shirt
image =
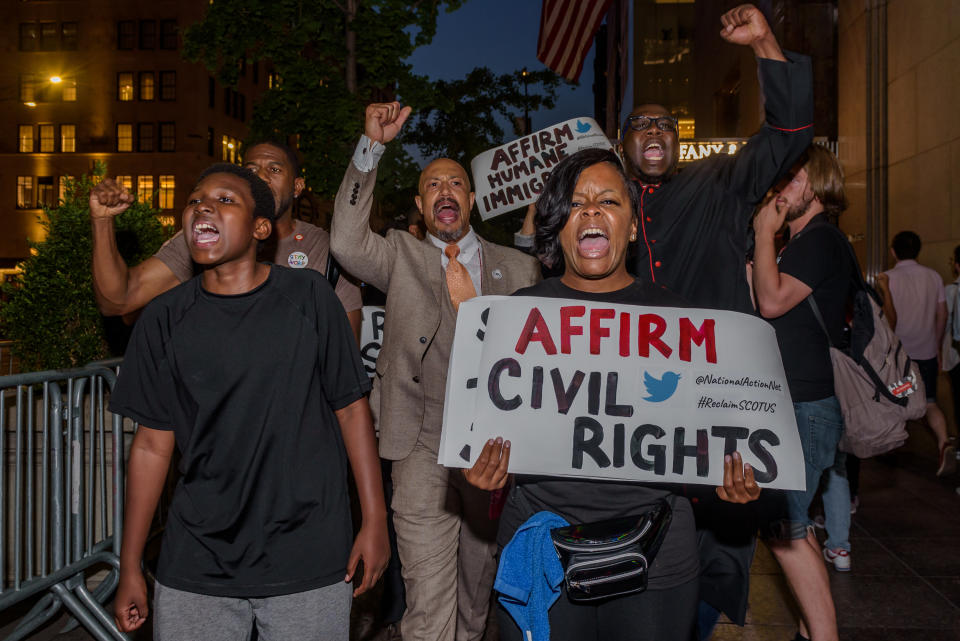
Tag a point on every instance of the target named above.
point(586, 501)
point(249, 385)
point(818, 257)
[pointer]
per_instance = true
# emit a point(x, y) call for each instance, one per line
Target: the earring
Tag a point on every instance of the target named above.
point(633, 237)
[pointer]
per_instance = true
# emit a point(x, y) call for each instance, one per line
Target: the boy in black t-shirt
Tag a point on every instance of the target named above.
point(251, 370)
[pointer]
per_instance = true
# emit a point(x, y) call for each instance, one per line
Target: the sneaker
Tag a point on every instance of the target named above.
point(839, 558)
point(948, 460)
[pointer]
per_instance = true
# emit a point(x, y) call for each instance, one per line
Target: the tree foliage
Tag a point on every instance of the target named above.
point(333, 57)
point(50, 312)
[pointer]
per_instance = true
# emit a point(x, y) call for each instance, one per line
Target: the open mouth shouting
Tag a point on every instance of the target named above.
point(205, 234)
point(653, 150)
point(593, 242)
point(446, 211)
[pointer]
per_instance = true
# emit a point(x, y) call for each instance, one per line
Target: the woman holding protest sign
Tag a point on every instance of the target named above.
point(586, 219)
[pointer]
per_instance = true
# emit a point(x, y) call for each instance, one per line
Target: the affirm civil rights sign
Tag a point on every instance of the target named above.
point(609, 391)
point(513, 175)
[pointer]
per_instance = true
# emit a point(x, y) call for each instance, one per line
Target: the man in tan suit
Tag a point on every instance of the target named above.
point(445, 536)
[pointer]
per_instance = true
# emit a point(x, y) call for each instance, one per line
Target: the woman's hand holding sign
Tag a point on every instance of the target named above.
point(739, 486)
point(489, 472)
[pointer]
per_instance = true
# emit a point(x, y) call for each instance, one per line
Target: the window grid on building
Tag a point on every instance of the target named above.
point(229, 149)
point(126, 34)
point(68, 138)
point(68, 89)
point(24, 192)
point(168, 136)
point(49, 37)
point(124, 137)
point(126, 182)
point(29, 36)
point(145, 190)
point(168, 85)
point(168, 34)
point(125, 86)
point(45, 196)
point(146, 85)
point(148, 34)
point(145, 137)
point(25, 139)
point(167, 188)
point(68, 36)
point(47, 139)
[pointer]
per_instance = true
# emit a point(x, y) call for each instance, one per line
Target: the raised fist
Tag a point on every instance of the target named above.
point(109, 199)
point(744, 25)
point(384, 121)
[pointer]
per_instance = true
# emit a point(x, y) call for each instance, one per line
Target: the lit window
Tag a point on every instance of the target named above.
point(46, 139)
point(125, 86)
point(126, 182)
point(45, 191)
point(168, 85)
point(24, 192)
point(26, 87)
point(64, 184)
point(146, 85)
point(229, 149)
point(124, 137)
point(49, 38)
point(273, 80)
point(69, 88)
point(167, 185)
point(168, 34)
point(29, 35)
point(145, 190)
point(148, 34)
point(25, 136)
point(68, 138)
point(168, 136)
point(68, 36)
point(126, 34)
point(145, 136)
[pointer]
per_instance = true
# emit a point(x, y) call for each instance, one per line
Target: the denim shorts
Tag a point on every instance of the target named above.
point(820, 425)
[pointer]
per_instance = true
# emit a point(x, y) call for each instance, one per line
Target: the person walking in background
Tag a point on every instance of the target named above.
point(949, 356)
point(919, 317)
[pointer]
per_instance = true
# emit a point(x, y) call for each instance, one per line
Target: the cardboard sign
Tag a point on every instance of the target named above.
point(597, 390)
point(512, 175)
point(371, 337)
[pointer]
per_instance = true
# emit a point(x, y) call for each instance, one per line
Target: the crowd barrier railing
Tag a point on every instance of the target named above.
point(61, 496)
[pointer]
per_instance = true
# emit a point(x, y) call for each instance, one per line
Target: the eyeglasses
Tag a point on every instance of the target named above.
point(642, 123)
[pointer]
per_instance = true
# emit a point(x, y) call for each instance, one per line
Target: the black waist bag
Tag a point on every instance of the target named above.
point(610, 558)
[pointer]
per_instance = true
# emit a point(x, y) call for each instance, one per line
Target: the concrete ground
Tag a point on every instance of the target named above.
point(904, 585)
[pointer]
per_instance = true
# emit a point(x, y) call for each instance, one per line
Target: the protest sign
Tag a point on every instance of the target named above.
point(371, 336)
point(512, 175)
point(598, 390)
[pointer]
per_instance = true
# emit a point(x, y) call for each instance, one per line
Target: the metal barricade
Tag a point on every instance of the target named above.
point(61, 496)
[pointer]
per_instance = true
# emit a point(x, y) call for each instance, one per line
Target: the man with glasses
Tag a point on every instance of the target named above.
point(693, 240)
point(694, 223)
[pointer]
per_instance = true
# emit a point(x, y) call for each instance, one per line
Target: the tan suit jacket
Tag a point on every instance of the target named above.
point(411, 273)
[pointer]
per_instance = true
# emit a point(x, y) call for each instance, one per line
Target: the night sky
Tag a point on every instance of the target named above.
point(501, 35)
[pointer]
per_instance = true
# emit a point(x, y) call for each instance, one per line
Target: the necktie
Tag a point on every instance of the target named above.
point(459, 283)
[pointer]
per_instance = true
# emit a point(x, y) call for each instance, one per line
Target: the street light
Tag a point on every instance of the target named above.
point(56, 79)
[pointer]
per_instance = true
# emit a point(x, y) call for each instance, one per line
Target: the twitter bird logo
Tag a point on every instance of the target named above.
point(582, 127)
point(661, 389)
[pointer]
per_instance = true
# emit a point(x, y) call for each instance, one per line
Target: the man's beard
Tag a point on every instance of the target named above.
point(798, 210)
point(450, 235)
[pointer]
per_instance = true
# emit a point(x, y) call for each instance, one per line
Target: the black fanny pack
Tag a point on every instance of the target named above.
point(610, 558)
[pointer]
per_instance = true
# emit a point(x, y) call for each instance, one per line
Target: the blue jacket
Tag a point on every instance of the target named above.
point(530, 575)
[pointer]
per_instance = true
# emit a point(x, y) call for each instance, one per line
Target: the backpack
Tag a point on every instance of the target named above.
point(879, 387)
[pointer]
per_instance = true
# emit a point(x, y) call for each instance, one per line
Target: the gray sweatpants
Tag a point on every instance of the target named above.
point(315, 615)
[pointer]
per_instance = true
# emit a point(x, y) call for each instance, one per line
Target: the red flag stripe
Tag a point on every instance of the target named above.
point(567, 28)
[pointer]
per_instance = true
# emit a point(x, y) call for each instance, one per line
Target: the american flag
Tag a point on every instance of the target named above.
point(567, 28)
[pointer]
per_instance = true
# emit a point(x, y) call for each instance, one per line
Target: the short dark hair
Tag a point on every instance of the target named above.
point(553, 206)
point(264, 206)
point(287, 150)
point(906, 245)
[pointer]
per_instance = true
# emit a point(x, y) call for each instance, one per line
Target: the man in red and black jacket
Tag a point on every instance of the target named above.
point(693, 235)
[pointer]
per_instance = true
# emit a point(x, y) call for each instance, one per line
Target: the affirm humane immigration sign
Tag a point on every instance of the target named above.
point(513, 175)
point(607, 391)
